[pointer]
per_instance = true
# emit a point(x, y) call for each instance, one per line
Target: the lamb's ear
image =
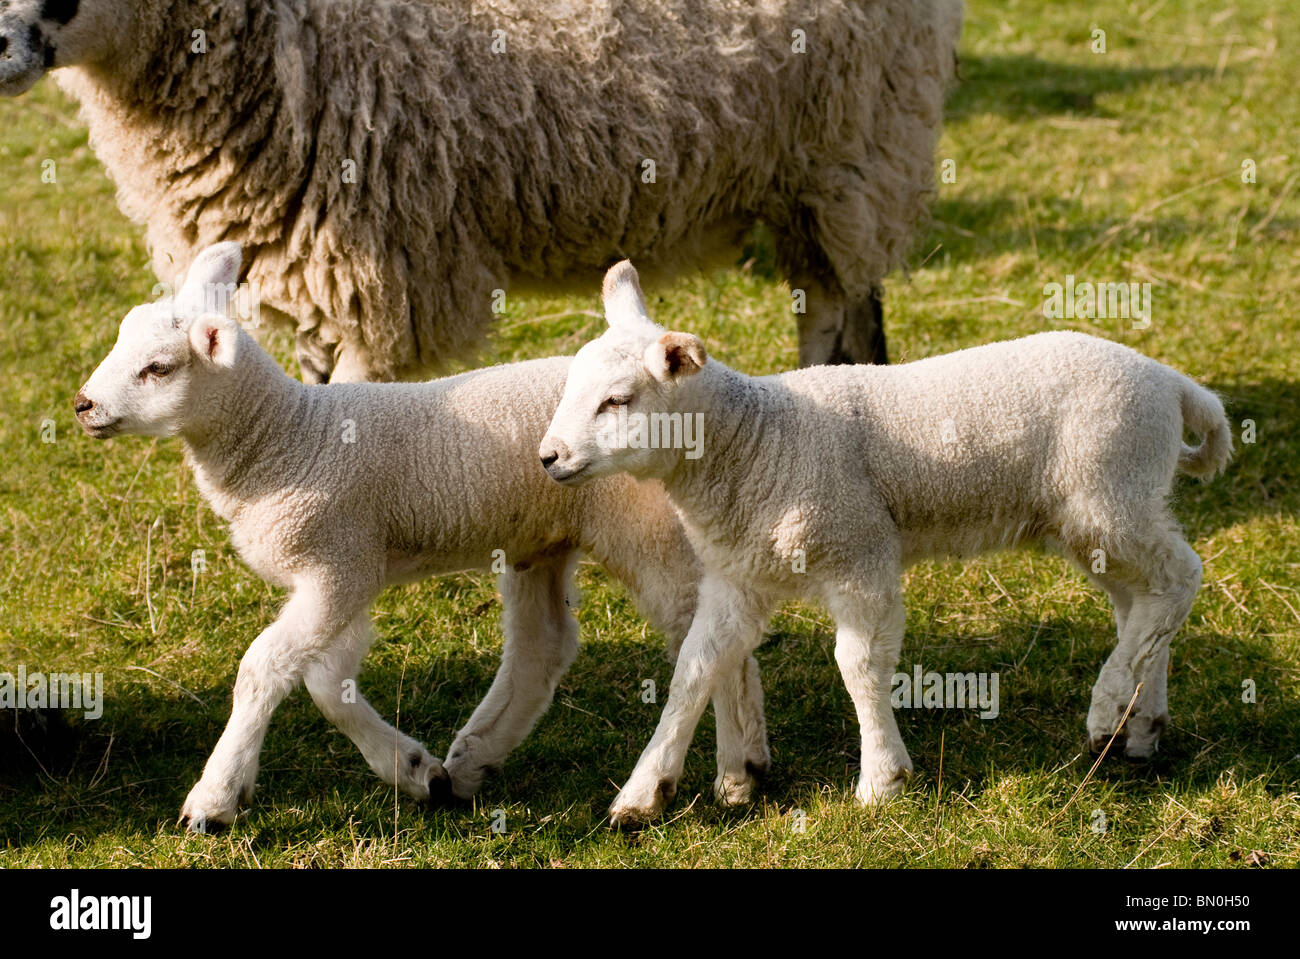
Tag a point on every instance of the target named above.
point(675, 355)
point(621, 293)
point(214, 339)
point(211, 281)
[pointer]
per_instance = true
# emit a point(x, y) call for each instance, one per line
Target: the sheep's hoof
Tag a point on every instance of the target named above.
point(625, 821)
point(879, 789)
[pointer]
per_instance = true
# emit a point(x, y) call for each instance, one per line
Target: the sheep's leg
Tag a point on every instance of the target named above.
point(1121, 598)
point(322, 362)
point(821, 324)
point(541, 642)
point(863, 339)
point(395, 757)
point(350, 366)
point(315, 359)
point(833, 330)
point(868, 640)
point(270, 669)
point(728, 626)
point(1162, 581)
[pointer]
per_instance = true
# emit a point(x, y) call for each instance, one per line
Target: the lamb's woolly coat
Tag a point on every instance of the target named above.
point(473, 168)
point(1057, 434)
point(825, 483)
point(397, 482)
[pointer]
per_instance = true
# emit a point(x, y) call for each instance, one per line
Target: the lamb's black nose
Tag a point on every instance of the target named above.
point(550, 451)
point(4, 44)
point(81, 404)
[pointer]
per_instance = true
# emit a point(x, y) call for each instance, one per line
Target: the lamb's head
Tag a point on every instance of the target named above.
point(626, 407)
point(37, 35)
point(168, 356)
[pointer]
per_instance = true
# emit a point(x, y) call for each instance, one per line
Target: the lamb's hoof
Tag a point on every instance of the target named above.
point(630, 815)
point(878, 789)
point(1097, 744)
point(210, 809)
point(441, 794)
point(1139, 754)
point(1144, 740)
point(625, 820)
point(202, 825)
point(735, 790)
point(732, 790)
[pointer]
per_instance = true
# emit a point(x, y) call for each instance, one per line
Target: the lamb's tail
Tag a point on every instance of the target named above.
point(1203, 414)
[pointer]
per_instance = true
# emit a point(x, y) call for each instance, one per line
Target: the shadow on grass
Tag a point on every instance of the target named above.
point(1263, 478)
point(1046, 672)
point(130, 771)
point(973, 229)
point(1019, 86)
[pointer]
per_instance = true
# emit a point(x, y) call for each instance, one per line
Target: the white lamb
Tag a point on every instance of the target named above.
point(336, 491)
point(852, 473)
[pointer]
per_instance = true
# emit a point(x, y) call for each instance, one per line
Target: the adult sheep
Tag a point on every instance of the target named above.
point(388, 164)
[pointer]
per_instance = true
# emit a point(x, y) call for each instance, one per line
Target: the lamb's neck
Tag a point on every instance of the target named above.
point(738, 414)
point(238, 447)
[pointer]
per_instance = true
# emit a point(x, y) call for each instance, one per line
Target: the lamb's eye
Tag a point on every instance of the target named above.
point(155, 369)
point(613, 401)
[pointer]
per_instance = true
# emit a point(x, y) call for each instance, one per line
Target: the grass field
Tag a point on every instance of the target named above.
point(1117, 166)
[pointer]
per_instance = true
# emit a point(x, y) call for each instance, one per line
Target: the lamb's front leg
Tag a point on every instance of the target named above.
point(396, 758)
point(728, 626)
point(270, 669)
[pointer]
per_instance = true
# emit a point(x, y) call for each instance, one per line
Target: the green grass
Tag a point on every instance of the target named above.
point(1114, 167)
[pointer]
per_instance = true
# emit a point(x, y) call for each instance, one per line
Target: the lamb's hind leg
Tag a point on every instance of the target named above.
point(395, 757)
point(541, 642)
point(743, 754)
point(868, 639)
point(1159, 574)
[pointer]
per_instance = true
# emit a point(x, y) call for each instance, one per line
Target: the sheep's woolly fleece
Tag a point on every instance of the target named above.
point(474, 169)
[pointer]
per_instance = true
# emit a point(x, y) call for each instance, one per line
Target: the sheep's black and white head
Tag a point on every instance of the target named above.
point(38, 35)
point(623, 408)
point(153, 381)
